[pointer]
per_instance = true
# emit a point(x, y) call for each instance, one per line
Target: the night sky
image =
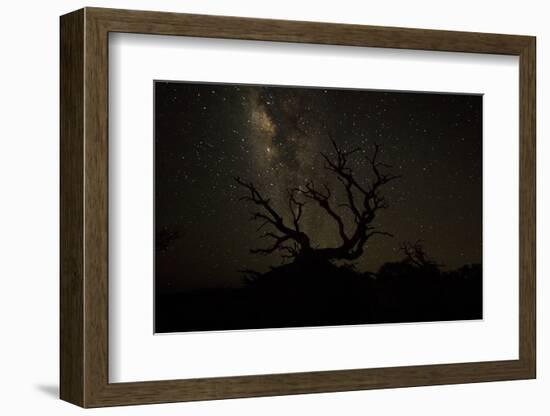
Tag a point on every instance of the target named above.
point(207, 134)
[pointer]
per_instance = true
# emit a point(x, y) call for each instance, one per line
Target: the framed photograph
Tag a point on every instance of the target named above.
point(257, 207)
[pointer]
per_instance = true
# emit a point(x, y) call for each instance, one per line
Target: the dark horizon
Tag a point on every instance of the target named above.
point(206, 134)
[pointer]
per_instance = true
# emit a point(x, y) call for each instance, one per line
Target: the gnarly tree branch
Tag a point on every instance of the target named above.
point(277, 245)
point(363, 199)
point(296, 208)
point(257, 199)
point(270, 217)
point(322, 198)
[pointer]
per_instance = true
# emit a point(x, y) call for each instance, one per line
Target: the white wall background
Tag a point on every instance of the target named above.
point(29, 208)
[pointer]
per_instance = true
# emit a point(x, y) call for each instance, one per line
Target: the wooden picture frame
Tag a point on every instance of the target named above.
point(84, 207)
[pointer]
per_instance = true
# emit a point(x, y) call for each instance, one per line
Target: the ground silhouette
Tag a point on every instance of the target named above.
point(321, 294)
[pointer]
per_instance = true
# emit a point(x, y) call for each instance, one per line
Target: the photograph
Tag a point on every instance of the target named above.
point(295, 206)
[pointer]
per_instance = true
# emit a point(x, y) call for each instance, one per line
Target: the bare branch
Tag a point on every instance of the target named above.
point(279, 240)
point(257, 198)
point(323, 200)
point(269, 216)
point(369, 235)
point(363, 199)
point(372, 201)
point(296, 208)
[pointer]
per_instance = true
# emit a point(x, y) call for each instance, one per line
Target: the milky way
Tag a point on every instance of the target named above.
point(208, 134)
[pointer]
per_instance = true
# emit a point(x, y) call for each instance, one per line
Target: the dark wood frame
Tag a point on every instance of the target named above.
point(84, 213)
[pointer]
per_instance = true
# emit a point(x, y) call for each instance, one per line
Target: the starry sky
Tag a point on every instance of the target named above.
point(206, 134)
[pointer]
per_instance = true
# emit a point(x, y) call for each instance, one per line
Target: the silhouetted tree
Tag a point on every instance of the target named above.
point(415, 254)
point(363, 200)
point(165, 238)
